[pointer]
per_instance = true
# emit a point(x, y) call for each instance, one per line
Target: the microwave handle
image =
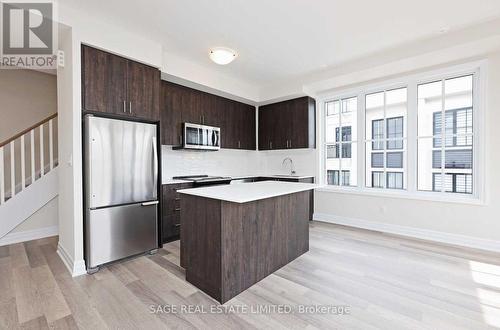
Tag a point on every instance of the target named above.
point(214, 138)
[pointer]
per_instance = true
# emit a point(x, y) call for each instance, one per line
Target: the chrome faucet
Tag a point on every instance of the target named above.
point(292, 168)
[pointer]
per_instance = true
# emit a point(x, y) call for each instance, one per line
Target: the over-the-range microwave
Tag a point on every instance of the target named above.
point(200, 137)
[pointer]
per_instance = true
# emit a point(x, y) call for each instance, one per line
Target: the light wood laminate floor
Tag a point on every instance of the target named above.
point(388, 282)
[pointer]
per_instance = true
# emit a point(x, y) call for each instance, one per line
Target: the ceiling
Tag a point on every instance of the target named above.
point(280, 40)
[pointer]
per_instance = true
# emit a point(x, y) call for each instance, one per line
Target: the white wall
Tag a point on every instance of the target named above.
point(45, 217)
point(75, 29)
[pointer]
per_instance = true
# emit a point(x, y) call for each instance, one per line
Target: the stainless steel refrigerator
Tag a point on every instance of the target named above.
point(121, 177)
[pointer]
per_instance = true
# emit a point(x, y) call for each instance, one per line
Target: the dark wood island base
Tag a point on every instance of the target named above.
point(227, 247)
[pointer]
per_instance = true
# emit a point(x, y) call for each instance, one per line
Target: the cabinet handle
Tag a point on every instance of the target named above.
point(180, 139)
point(239, 144)
point(124, 107)
point(177, 199)
point(203, 119)
point(270, 145)
point(290, 144)
point(130, 107)
point(177, 209)
point(177, 225)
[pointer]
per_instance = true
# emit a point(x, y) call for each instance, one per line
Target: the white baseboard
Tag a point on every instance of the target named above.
point(29, 235)
point(76, 268)
point(430, 235)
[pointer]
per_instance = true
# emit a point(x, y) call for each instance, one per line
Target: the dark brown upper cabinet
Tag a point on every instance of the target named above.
point(180, 104)
point(116, 85)
point(289, 124)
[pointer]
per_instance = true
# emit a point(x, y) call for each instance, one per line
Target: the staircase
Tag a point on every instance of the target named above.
point(28, 173)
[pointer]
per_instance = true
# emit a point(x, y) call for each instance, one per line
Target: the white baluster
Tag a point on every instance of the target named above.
point(42, 169)
point(51, 146)
point(23, 169)
point(2, 178)
point(32, 145)
point(12, 170)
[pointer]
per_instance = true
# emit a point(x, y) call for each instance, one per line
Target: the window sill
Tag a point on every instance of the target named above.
point(420, 195)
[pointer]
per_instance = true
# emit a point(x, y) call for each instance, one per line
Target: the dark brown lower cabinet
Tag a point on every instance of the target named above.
point(301, 180)
point(171, 211)
point(227, 247)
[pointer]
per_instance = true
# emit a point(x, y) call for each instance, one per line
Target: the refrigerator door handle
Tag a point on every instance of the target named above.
point(150, 203)
point(155, 165)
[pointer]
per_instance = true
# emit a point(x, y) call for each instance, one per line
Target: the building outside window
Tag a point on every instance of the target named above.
point(385, 114)
point(448, 104)
point(341, 141)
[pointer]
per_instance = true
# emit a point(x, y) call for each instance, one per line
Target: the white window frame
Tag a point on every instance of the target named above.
point(479, 71)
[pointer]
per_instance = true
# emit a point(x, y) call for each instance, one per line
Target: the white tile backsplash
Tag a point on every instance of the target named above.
point(222, 162)
point(235, 162)
point(304, 161)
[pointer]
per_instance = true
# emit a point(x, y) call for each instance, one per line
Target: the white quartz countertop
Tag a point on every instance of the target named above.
point(277, 176)
point(174, 181)
point(249, 192)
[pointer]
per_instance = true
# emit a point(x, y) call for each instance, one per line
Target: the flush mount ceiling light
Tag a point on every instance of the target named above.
point(222, 55)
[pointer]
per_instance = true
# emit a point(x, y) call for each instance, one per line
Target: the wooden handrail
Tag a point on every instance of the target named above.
point(9, 140)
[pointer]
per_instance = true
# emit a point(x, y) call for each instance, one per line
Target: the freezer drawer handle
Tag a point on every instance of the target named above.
point(149, 203)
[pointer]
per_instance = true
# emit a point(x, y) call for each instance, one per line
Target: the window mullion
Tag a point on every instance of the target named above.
point(411, 172)
point(340, 143)
point(384, 151)
point(443, 136)
point(361, 138)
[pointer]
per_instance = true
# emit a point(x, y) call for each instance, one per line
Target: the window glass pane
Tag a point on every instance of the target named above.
point(377, 179)
point(332, 177)
point(332, 120)
point(346, 180)
point(436, 124)
point(396, 109)
point(456, 158)
point(346, 134)
point(453, 183)
point(346, 166)
point(374, 121)
point(458, 93)
point(350, 163)
point(446, 165)
point(341, 154)
point(350, 105)
point(395, 131)
point(375, 100)
point(332, 108)
point(377, 160)
point(378, 134)
point(349, 117)
point(394, 180)
point(332, 165)
point(425, 164)
point(332, 151)
point(429, 103)
point(394, 160)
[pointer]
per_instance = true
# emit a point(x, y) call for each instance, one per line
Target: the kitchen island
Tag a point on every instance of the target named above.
point(233, 236)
